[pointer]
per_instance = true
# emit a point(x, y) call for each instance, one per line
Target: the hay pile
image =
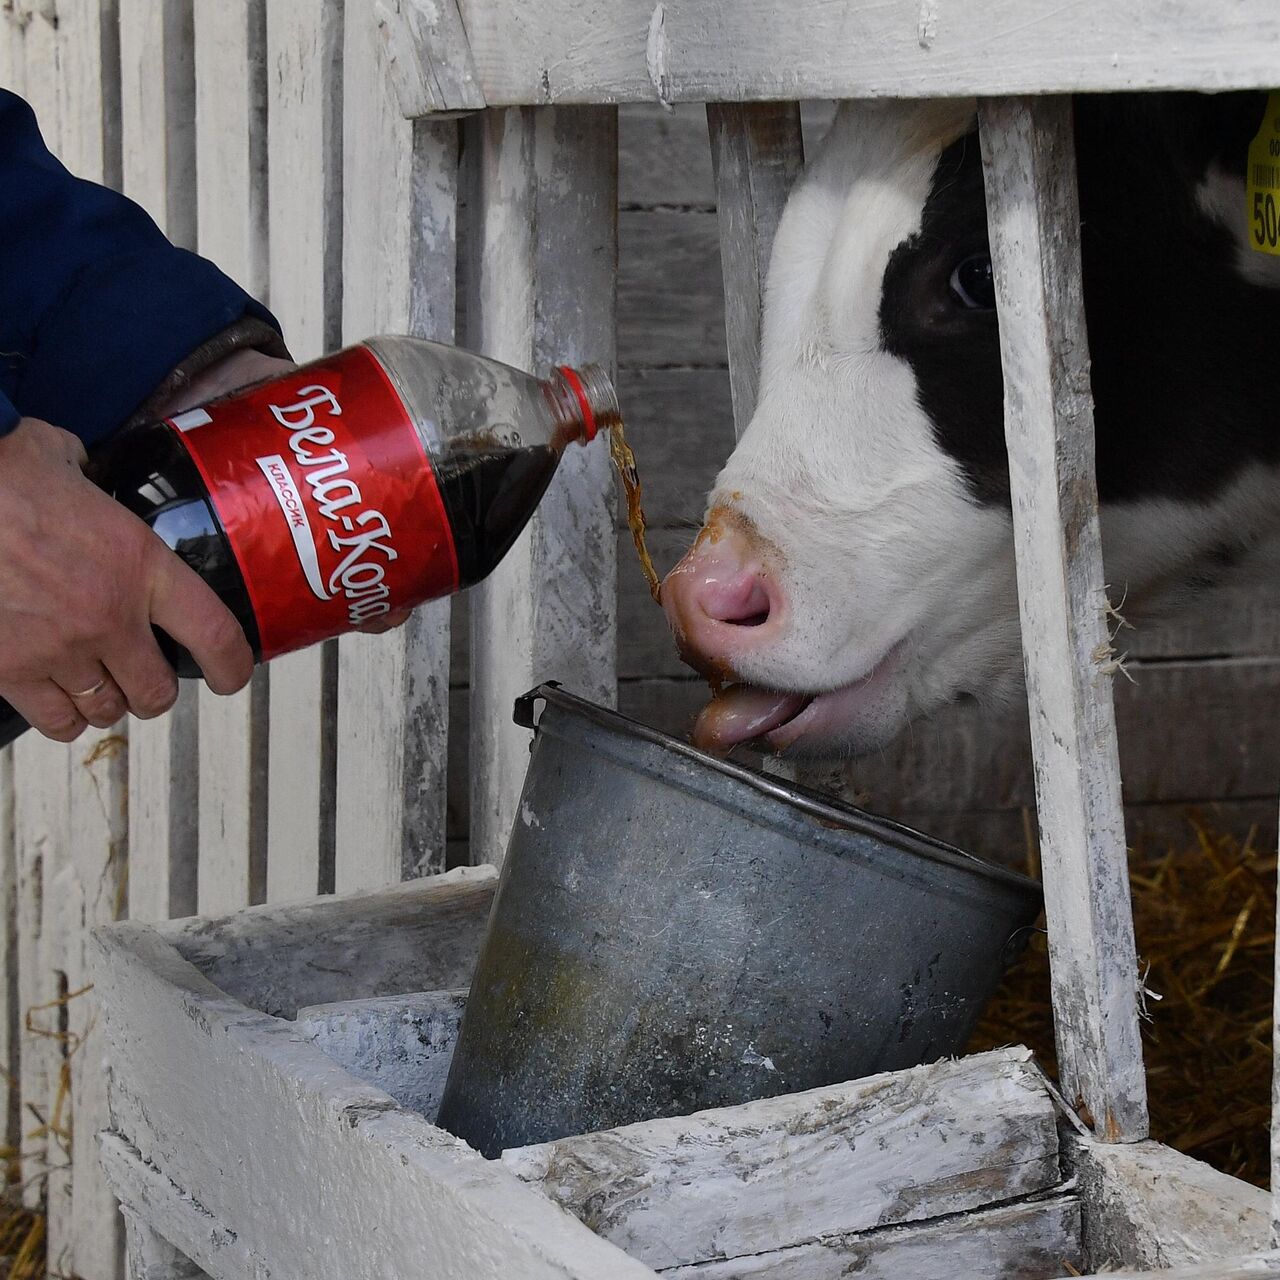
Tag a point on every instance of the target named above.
point(1205, 923)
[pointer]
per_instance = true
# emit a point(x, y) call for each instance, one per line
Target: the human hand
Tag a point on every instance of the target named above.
point(82, 582)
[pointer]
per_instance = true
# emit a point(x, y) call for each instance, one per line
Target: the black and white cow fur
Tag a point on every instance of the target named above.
point(857, 568)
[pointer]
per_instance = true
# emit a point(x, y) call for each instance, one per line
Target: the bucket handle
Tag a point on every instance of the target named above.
point(525, 713)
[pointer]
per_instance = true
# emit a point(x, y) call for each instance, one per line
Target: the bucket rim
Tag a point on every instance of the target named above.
point(827, 810)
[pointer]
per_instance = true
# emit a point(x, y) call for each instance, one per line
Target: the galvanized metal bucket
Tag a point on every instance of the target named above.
point(673, 932)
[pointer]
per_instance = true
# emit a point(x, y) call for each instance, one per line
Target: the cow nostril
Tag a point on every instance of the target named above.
point(743, 603)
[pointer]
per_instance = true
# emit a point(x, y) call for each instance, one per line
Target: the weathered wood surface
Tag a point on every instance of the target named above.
point(895, 1148)
point(1150, 1206)
point(231, 217)
point(1244, 1268)
point(202, 1085)
point(157, 100)
point(148, 1256)
point(428, 58)
point(756, 154)
point(1033, 214)
point(1022, 1241)
point(93, 893)
point(755, 50)
point(542, 284)
point(10, 1024)
point(304, 207)
point(157, 112)
point(419, 936)
point(41, 838)
point(398, 268)
point(403, 1044)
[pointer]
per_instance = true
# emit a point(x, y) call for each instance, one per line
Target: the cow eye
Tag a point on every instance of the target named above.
point(972, 283)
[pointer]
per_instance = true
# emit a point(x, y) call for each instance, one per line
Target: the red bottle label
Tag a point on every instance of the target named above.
point(327, 498)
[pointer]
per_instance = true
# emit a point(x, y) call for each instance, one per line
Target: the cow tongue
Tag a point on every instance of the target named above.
point(742, 713)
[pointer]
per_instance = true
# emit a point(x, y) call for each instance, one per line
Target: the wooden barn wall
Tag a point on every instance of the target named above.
point(1196, 715)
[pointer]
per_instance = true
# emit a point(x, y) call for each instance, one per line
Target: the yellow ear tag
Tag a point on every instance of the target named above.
point(1263, 187)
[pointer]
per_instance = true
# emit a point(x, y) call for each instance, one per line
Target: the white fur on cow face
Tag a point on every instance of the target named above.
point(881, 552)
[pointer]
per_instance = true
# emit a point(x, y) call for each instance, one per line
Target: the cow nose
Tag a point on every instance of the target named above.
point(720, 600)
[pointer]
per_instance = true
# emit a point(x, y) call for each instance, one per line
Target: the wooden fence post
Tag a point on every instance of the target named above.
point(398, 268)
point(304, 177)
point(544, 246)
point(1033, 212)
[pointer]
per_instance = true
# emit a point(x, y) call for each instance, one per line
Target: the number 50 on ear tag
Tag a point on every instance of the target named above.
point(1262, 191)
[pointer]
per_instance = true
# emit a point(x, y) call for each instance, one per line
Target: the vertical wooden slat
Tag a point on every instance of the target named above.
point(1033, 212)
point(1275, 1084)
point(545, 250)
point(46, 907)
point(12, 77)
point(40, 835)
point(304, 113)
point(400, 205)
point(231, 186)
point(757, 151)
point(157, 111)
point(85, 1229)
point(13, 69)
point(99, 832)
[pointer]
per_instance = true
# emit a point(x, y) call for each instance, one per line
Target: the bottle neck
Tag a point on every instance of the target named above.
point(583, 403)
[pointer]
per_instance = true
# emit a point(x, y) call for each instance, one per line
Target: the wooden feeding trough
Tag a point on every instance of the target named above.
point(276, 1072)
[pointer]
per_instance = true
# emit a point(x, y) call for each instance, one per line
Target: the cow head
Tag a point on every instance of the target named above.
point(856, 567)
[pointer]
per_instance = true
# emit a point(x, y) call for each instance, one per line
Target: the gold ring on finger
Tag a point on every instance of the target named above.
point(89, 692)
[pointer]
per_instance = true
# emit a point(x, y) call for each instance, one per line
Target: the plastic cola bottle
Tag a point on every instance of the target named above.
point(392, 473)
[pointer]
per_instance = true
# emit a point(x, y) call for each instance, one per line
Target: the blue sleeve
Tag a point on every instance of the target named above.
point(96, 306)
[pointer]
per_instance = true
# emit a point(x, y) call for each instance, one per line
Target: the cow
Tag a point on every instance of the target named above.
point(855, 570)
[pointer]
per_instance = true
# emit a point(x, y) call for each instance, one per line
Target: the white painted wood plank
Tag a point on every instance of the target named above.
point(422, 935)
point(758, 50)
point(1033, 213)
point(89, 88)
point(157, 115)
point(149, 1255)
point(40, 53)
point(13, 67)
point(231, 155)
point(544, 273)
point(304, 174)
point(40, 833)
point(95, 889)
point(10, 1014)
point(1245, 1268)
point(1015, 1242)
point(1275, 1090)
point(428, 57)
point(402, 1044)
point(202, 1085)
point(757, 153)
point(1150, 1206)
point(399, 264)
point(894, 1148)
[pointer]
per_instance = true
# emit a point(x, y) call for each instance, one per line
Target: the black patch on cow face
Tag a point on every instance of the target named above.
point(953, 349)
point(1181, 344)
